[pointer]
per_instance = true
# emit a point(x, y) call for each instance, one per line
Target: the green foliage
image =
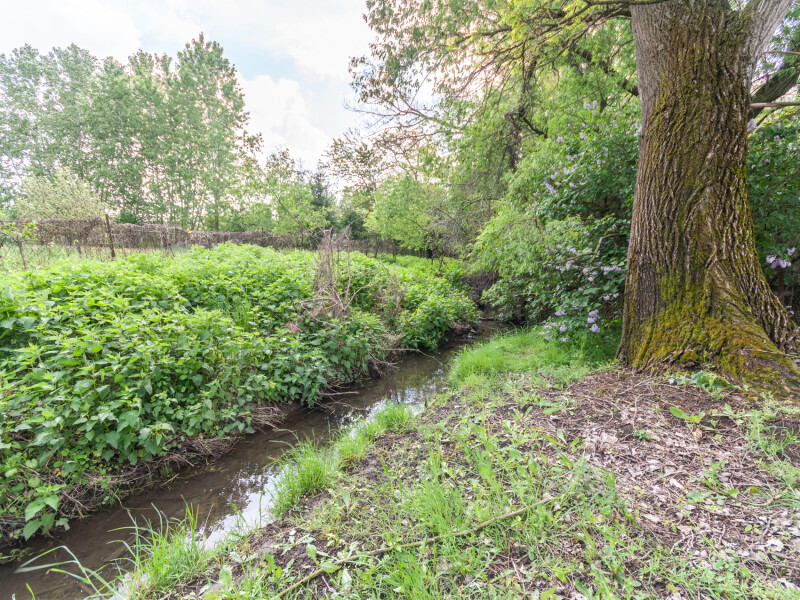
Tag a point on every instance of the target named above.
point(559, 241)
point(561, 257)
point(402, 212)
point(160, 140)
point(774, 185)
point(103, 364)
point(54, 198)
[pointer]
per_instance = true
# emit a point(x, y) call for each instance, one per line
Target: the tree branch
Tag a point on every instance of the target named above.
point(783, 80)
point(763, 105)
point(764, 17)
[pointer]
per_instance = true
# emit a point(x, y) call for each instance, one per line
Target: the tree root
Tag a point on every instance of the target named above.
point(379, 551)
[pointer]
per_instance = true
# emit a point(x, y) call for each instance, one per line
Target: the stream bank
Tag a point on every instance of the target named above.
point(241, 478)
point(559, 479)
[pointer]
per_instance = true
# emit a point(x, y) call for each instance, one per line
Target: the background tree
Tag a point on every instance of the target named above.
point(359, 167)
point(160, 140)
point(62, 194)
point(402, 212)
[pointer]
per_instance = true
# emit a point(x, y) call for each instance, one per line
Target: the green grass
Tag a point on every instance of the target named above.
point(307, 470)
point(309, 467)
point(586, 537)
point(527, 352)
point(165, 554)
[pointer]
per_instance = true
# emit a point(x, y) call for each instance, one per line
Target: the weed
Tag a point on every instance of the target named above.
point(106, 365)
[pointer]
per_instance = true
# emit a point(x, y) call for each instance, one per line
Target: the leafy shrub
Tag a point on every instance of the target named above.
point(559, 239)
point(774, 184)
point(109, 363)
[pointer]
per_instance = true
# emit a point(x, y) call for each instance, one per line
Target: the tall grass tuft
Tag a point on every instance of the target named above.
point(164, 554)
point(309, 468)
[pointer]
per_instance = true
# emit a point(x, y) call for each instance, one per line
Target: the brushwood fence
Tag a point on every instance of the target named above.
point(26, 245)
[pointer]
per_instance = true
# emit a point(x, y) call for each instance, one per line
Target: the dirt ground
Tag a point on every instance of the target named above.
point(684, 459)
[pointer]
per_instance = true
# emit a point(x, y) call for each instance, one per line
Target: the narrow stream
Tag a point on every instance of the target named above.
point(241, 478)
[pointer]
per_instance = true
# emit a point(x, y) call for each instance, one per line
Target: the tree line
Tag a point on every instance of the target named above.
point(155, 140)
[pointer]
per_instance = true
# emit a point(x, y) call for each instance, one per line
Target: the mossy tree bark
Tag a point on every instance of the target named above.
point(695, 292)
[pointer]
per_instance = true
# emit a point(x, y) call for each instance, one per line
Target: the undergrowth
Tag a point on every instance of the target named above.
point(479, 500)
point(527, 351)
point(107, 365)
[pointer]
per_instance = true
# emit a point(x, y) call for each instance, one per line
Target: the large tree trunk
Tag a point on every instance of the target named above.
point(695, 293)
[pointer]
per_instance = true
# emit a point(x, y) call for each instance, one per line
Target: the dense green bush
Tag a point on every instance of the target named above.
point(774, 184)
point(103, 364)
point(559, 239)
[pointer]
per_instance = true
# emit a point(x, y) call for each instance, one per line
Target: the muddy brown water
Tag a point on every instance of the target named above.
point(240, 480)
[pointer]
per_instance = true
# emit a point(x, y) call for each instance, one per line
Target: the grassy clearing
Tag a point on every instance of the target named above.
point(106, 368)
point(529, 352)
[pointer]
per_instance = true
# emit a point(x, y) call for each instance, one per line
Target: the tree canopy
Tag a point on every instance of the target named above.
point(534, 111)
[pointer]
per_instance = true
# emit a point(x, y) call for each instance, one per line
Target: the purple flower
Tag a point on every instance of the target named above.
point(770, 259)
point(559, 139)
point(791, 251)
point(559, 313)
point(565, 340)
point(593, 313)
point(548, 338)
point(563, 328)
point(591, 320)
point(595, 329)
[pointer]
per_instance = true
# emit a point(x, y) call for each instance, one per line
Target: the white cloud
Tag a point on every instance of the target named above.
point(102, 29)
point(281, 113)
point(320, 37)
point(294, 54)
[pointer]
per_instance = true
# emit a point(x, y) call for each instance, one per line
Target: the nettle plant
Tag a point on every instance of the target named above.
point(559, 243)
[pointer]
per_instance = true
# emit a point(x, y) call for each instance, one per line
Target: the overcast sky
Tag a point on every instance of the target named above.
point(292, 55)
